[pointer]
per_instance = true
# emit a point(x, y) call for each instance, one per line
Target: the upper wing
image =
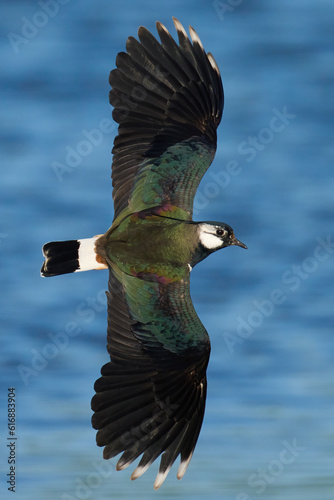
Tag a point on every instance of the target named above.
point(151, 396)
point(168, 101)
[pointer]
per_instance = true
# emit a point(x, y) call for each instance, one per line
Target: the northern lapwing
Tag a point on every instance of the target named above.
point(168, 101)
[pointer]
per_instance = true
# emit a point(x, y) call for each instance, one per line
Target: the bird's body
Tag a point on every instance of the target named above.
point(150, 399)
point(155, 245)
point(151, 245)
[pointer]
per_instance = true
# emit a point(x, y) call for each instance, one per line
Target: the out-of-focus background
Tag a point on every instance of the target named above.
point(268, 430)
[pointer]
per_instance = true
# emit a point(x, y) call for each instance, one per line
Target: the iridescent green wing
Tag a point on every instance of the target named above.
point(168, 101)
point(150, 399)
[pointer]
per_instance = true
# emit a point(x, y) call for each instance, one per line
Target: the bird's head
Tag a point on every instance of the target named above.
point(216, 235)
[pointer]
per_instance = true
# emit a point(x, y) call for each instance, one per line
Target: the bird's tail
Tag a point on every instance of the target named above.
point(62, 257)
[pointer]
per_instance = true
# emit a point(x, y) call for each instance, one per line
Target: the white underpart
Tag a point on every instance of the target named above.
point(208, 237)
point(190, 268)
point(87, 255)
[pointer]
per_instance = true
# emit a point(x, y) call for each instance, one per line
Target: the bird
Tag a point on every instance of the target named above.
point(149, 401)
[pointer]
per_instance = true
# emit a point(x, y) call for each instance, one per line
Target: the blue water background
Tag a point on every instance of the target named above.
point(270, 382)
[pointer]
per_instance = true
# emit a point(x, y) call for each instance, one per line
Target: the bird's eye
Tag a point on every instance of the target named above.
point(220, 232)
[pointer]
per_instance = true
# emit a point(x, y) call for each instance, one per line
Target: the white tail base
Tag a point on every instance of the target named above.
point(88, 258)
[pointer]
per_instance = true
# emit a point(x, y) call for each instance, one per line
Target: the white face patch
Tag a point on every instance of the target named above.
point(208, 237)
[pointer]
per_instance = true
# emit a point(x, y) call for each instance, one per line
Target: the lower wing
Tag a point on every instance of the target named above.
point(151, 397)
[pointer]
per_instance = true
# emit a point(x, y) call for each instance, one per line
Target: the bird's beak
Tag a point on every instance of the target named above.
point(235, 241)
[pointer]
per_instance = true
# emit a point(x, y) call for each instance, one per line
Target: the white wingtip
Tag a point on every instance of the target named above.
point(213, 62)
point(161, 476)
point(139, 471)
point(195, 38)
point(179, 27)
point(183, 467)
point(162, 27)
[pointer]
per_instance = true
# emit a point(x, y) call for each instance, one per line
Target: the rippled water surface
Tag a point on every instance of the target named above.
point(268, 429)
